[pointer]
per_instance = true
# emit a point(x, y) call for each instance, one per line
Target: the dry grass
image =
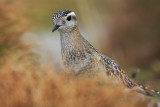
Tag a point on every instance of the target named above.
point(24, 83)
point(13, 22)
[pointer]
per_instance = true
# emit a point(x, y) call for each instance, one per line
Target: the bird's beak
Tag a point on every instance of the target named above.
point(55, 27)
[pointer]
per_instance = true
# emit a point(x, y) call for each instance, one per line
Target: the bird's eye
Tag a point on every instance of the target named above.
point(69, 18)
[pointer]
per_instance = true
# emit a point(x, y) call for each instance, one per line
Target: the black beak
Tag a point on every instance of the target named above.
point(55, 27)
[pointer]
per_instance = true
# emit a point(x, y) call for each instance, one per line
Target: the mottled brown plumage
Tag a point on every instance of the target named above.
point(80, 57)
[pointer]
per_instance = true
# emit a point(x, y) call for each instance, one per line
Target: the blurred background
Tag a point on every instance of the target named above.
point(128, 31)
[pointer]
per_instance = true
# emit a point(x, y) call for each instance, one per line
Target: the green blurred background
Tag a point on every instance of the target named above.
point(128, 31)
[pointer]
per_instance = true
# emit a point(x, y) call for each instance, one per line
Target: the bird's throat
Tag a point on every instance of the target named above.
point(72, 40)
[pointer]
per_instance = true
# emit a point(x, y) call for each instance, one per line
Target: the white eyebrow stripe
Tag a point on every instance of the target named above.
point(72, 14)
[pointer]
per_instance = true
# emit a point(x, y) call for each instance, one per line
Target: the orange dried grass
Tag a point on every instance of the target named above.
point(13, 21)
point(23, 82)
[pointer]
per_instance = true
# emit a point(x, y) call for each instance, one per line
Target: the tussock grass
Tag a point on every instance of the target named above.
point(13, 22)
point(24, 83)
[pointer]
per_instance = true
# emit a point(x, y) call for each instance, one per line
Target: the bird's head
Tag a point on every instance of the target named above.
point(64, 21)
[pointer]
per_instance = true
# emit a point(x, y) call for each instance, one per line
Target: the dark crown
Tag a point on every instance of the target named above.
point(60, 14)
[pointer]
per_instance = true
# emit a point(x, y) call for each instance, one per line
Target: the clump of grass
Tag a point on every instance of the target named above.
point(23, 82)
point(13, 22)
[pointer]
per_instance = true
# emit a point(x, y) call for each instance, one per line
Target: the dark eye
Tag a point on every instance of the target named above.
point(69, 18)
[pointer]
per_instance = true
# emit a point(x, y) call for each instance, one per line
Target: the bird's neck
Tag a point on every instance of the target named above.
point(73, 41)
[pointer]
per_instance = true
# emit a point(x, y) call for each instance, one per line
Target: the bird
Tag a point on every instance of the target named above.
point(79, 57)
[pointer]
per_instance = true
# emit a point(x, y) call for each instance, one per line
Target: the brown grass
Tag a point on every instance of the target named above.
point(13, 22)
point(24, 83)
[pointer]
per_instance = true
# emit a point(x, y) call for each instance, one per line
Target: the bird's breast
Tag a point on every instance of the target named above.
point(76, 60)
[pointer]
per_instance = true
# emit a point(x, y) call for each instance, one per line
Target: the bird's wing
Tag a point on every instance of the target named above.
point(113, 70)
